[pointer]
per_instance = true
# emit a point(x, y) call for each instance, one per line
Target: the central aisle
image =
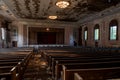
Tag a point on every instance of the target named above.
point(37, 69)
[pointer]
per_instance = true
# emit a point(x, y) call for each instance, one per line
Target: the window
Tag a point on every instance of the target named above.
point(86, 34)
point(96, 32)
point(113, 33)
point(3, 33)
point(14, 32)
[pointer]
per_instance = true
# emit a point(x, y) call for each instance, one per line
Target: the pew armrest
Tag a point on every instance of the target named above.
point(77, 77)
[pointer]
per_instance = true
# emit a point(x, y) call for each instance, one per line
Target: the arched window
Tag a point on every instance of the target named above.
point(85, 33)
point(113, 30)
point(14, 32)
point(96, 32)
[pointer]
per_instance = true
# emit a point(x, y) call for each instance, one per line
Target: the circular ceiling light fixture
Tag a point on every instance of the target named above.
point(62, 4)
point(52, 17)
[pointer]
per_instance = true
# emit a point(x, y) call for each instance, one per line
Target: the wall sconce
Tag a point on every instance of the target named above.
point(47, 29)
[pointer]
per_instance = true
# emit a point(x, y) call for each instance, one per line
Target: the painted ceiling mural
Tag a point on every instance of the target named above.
point(41, 9)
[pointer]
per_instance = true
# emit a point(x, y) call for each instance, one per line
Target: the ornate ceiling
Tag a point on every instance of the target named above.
point(41, 9)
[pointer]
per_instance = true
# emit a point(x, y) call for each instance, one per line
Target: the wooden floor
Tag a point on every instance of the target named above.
point(37, 69)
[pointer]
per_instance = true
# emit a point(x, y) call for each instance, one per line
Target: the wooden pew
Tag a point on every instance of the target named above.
point(9, 69)
point(88, 70)
point(57, 67)
point(96, 53)
point(21, 67)
point(49, 55)
point(8, 63)
point(60, 54)
point(55, 61)
point(77, 76)
point(68, 56)
point(11, 60)
point(96, 74)
point(8, 73)
point(15, 72)
point(11, 57)
point(76, 55)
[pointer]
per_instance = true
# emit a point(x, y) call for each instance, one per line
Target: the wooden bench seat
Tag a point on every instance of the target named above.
point(4, 58)
point(8, 73)
point(57, 66)
point(12, 66)
point(10, 69)
point(93, 73)
point(11, 60)
point(8, 63)
point(5, 76)
point(70, 69)
point(77, 76)
point(53, 59)
point(52, 56)
point(5, 69)
point(91, 57)
point(13, 54)
point(74, 55)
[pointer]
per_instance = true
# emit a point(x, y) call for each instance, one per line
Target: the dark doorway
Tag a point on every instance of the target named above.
point(80, 37)
point(46, 37)
point(96, 44)
point(14, 43)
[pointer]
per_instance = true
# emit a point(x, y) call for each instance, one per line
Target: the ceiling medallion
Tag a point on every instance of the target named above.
point(52, 17)
point(62, 4)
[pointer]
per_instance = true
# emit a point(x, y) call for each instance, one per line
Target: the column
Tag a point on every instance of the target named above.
point(20, 35)
point(68, 36)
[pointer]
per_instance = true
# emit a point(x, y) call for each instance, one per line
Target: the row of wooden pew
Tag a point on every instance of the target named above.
point(79, 64)
point(13, 64)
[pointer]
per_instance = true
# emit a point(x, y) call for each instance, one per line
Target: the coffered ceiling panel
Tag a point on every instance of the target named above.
point(41, 9)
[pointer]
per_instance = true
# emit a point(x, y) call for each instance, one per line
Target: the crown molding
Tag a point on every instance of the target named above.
point(32, 22)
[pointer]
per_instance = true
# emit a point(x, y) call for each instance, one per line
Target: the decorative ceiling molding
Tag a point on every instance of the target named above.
point(107, 12)
point(5, 12)
point(41, 9)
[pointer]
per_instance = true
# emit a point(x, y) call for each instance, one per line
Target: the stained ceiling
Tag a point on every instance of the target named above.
point(41, 9)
